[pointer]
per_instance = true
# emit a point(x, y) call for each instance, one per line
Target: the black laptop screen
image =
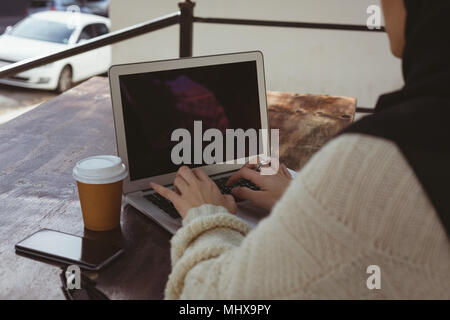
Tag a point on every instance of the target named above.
point(157, 103)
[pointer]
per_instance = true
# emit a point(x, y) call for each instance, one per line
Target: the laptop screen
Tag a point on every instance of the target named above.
point(157, 103)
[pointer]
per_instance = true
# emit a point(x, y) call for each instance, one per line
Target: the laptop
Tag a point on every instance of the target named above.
point(151, 100)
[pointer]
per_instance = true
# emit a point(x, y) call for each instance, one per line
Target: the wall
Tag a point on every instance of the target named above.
point(298, 60)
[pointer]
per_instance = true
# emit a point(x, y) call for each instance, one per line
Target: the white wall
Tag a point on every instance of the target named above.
point(298, 60)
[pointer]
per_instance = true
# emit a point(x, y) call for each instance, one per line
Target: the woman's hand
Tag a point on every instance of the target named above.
point(272, 186)
point(194, 188)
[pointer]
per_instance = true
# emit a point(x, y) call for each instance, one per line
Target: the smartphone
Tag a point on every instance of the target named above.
point(69, 249)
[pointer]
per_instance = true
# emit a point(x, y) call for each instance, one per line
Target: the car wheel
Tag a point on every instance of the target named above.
point(65, 79)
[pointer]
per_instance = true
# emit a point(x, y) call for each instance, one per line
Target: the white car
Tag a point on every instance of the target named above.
point(48, 32)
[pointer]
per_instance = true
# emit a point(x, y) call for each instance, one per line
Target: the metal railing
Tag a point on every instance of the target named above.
point(185, 18)
point(107, 39)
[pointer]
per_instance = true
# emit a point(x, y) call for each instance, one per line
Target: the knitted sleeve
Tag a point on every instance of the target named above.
point(355, 204)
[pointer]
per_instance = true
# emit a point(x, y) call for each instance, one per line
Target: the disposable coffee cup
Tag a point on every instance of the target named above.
point(99, 180)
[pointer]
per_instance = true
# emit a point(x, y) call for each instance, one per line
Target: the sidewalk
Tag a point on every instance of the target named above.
point(10, 114)
point(16, 101)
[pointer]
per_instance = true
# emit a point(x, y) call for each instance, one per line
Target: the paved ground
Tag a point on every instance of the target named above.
point(15, 101)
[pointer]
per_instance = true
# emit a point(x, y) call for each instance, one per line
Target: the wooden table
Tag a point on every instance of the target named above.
point(39, 149)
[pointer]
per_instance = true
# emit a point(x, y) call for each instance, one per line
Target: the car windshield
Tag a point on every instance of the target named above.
point(44, 30)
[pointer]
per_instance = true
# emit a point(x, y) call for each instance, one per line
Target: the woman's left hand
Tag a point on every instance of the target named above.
point(194, 188)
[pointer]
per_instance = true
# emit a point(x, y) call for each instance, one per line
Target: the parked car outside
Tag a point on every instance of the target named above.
point(48, 32)
point(55, 5)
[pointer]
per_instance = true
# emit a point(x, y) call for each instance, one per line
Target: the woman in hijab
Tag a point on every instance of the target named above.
point(374, 199)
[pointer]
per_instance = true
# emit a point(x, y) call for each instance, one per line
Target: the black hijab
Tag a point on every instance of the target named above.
point(417, 117)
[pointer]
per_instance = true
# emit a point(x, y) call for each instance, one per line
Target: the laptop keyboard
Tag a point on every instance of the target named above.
point(164, 204)
point(241, 183)
point(168, 207)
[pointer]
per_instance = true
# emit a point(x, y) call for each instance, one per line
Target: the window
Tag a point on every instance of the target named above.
point(100, 29)
point(39, 29)
point(87, 33)
point(92, 31)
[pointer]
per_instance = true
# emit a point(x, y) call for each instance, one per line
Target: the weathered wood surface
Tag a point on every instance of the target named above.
point(306, 122)
point(37, 154)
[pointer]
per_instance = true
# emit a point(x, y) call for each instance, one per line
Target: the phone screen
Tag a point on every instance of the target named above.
point(63, 247)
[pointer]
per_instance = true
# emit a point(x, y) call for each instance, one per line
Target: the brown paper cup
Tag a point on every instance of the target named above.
point(101, 205)
point(99, 180)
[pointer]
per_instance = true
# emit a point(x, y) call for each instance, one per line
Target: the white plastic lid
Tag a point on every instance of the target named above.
point(100, 170)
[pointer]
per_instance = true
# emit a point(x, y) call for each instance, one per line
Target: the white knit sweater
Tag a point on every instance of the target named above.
point(356, 203)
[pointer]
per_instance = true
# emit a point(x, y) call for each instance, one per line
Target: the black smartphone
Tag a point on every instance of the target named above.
point(69, 249)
